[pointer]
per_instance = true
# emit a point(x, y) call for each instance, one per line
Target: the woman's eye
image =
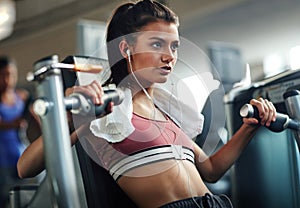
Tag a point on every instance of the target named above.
point(156, 45)
point(174, 46)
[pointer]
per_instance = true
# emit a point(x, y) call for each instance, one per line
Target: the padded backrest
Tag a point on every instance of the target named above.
point(100, 188)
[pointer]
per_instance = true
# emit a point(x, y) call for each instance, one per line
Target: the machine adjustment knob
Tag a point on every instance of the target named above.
point(40, 107)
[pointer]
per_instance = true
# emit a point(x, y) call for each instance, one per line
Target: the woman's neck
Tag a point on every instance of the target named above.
point(145, 107)
point(144, 97)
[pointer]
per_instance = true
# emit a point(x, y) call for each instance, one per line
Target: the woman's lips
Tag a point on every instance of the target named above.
point(165, 69)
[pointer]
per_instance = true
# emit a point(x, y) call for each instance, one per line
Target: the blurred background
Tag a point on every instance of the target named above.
point(262, 36)
point(261, 29)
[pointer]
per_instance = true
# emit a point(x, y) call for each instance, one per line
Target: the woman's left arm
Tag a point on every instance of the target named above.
point(213, 167)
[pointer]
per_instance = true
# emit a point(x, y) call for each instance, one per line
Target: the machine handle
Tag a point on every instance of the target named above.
point(82, 105)
point(282, 122)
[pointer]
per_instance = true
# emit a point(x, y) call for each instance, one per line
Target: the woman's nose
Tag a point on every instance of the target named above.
point(168, 56)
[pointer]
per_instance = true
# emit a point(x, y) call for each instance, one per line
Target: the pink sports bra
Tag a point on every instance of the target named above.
point(152, 141)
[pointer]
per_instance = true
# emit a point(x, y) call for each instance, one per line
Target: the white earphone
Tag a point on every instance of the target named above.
point(127, 52)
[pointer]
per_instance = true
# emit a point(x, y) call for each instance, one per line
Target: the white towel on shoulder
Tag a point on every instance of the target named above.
point(117, 126)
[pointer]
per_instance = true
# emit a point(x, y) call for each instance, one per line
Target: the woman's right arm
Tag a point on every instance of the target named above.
point(32, 161)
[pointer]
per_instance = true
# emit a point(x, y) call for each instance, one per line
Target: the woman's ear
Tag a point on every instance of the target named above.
point(124, 49)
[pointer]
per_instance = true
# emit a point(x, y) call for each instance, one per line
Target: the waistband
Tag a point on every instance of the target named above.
point(206, 201)
point(152, 155)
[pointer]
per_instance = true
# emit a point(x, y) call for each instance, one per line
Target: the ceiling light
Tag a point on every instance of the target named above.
point(7, 18)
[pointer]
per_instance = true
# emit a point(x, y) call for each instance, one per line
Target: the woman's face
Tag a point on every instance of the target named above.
point(154, 54)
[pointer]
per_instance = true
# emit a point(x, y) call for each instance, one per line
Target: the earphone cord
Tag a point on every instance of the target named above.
point(188, 175)
point(154, 115)
point(137, 81)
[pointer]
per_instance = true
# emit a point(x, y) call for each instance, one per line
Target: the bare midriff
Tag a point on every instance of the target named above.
point(162, 182)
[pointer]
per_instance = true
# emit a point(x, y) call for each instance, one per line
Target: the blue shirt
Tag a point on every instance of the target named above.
point(11, 146)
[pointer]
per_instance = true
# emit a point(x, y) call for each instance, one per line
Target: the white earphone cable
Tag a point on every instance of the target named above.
point(150, 98)
point(137, 81)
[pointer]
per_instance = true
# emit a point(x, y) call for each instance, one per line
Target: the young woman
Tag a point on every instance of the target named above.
point(145, 150)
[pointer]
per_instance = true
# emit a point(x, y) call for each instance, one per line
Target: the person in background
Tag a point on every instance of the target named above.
point(12, 107)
